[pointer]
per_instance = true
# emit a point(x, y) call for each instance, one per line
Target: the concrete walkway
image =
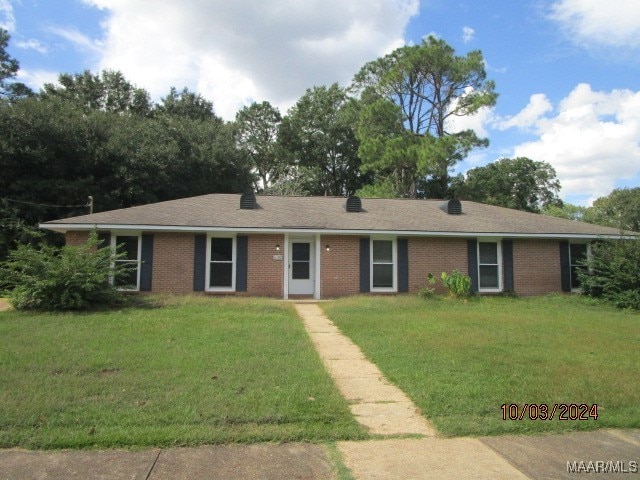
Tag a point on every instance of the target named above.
point(382, 408)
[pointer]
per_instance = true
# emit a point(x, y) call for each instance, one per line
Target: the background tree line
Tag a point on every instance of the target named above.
point(389, 134)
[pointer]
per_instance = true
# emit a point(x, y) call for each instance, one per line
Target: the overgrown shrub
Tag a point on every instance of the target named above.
point(613, 273)
point(60, 278)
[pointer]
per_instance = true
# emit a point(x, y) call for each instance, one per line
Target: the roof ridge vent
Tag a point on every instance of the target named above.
point(354, 204)
point(451, 207)
point(248, 201)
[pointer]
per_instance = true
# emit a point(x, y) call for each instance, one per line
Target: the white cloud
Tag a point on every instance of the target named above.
point(467, 34)
point(477, 122)
point(529, 116)
point(9, 20)
point(591, 142)
point(598, 23)
point(78, 39)
point(256, 49)
point(32, 44)
point(36, 78)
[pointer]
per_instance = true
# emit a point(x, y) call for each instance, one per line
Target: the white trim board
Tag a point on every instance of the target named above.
point(64, 227)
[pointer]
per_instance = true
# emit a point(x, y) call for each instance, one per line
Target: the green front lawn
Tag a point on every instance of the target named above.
point(461, 361)
point(199, 370)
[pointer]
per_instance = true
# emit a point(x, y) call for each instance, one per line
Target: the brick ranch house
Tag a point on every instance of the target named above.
point(323, 247)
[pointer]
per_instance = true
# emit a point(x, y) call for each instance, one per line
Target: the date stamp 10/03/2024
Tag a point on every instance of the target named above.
point(544, 411)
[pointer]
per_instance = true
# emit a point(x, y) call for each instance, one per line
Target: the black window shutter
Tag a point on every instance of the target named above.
point(365, 269)
point(507, 265)
point(472, 253)
point(241, 263)
point(403, 265)
point(146, 267)
point(105, 239)
point(199, 262)
point(565, 266)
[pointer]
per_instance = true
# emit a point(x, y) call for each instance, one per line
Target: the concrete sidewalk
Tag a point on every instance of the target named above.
point(514, 457)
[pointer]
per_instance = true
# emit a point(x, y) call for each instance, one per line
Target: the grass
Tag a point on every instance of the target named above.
point(196, 371)
point(460, 362)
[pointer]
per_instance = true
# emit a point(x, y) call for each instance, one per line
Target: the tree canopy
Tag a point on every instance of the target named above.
point(519, 183)
point(318, 138)
point(9, 67)
point(109, 92)
point(257, 127)
point(619, 209)
point(410, 99)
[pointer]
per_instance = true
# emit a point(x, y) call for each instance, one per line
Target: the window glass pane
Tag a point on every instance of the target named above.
point(489, 276)
point(130, 279)
point(221, 274)
point(300, 251)
point(578, 253)
point(488, 252)
point(300, 270)
point(382, 251)
point(129, 246)
point(382, 276)
point(221, 249)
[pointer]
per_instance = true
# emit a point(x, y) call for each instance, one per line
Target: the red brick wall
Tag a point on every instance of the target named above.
point(173, 255)
point(536, 267)
point(264, 274)
point(76, 238)
point(435, 255)
point(339, 267)
point(536, 263)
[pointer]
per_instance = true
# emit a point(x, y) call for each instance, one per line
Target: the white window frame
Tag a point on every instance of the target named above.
point(234, 262)
point(114, 243)
point(500, 265)
point(394, 256)
point(571, 264)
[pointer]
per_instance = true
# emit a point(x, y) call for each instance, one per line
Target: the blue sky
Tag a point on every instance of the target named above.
point(567, 71)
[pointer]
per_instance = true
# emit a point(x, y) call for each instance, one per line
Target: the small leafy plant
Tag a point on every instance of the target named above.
point(457, 284)
point(428, 292)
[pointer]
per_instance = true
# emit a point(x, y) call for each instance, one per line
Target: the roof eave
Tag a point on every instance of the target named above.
point(65, 227)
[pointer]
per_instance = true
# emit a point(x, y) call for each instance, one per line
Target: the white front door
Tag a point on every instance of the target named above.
point(301, 266)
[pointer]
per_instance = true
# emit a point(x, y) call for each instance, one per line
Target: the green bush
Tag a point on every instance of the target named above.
point(458, 285)
point(613, 273)
point(65, 278)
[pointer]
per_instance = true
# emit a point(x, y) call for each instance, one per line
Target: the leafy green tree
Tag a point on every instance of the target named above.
point(187, 104)
point(317, 135)
point(257, 128)
point(565, 210)
point(519, 183)
point(45, 151)
point(9, 67)
point(108, 92)
point(54, 154)
point(410, 99)
point(619, 209)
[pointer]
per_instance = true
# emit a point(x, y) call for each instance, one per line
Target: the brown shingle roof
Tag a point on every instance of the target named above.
point(209, 212)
